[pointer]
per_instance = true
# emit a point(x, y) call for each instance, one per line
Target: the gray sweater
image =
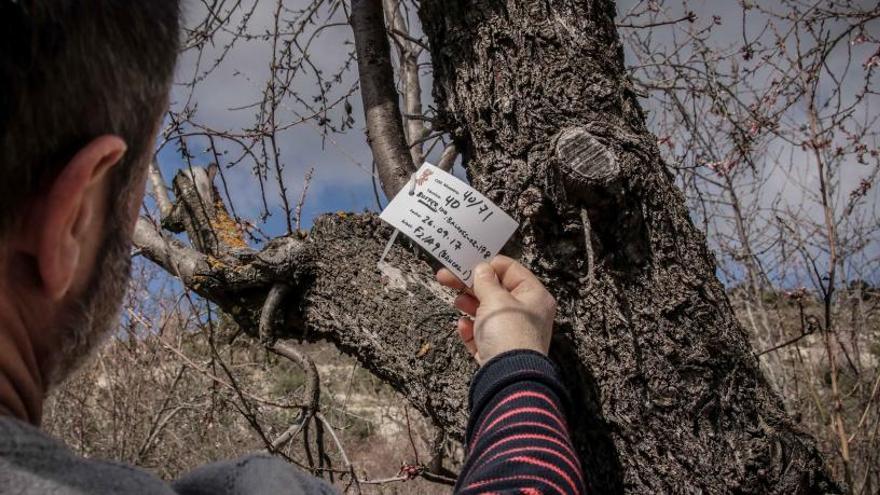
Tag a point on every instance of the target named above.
point(33, 463)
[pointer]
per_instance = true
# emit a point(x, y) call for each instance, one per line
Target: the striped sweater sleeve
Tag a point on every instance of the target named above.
point(518, 440)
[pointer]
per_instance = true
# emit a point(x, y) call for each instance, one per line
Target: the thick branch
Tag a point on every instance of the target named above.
point(447, 159)
point(312, 394)
point(160, 190)
point(408, 55)
point(170, 254)
point(238, 283)
point(386, 318)
point(271, 315)
point(381, 107)
point(327, 287)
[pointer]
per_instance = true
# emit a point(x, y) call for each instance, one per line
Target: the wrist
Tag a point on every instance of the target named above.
point(512, 365)
point(513, 348)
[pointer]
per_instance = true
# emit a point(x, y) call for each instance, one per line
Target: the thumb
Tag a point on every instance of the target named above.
point(486, 284)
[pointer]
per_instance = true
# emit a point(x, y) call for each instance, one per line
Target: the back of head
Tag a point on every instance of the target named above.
point(75, 75)
point(72, 70)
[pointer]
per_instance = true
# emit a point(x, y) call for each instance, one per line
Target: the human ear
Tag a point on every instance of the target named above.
point(73, 212)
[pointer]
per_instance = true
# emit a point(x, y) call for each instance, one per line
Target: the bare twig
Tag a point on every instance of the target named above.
point(689, 17)
point(302, 198)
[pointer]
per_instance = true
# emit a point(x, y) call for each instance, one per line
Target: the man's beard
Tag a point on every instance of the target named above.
point(91, 318)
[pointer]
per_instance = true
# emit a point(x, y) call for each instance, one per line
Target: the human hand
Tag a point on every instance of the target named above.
point(509, 309)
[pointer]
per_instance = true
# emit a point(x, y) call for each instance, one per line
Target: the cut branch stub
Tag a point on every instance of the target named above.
point(592, 177)
point(586, 163)
point(200, 211)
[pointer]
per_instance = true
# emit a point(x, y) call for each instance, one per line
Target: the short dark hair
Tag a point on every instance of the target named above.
point(72, 70)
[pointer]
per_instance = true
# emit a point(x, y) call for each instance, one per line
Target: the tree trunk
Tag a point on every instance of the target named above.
point(667, 394)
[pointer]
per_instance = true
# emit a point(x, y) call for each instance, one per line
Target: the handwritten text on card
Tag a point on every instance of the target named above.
point(450, 219)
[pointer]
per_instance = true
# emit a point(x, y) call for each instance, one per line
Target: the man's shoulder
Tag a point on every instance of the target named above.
point(256, 474)
point(32, 462)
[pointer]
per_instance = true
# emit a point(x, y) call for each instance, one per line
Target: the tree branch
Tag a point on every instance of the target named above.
point(170, 254)
point(312, 392)
point(408, 53)
point(160, 190)
point(447, 159)
point(337, 294)
point(381, 107)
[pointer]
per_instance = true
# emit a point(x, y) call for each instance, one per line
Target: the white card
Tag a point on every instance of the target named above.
point(450, 219)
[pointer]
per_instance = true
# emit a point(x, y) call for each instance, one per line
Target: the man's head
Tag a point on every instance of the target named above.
point(83, 86)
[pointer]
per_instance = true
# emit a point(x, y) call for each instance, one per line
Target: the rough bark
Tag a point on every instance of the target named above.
point(667, 384)
point(667, 391)
point(395, 318)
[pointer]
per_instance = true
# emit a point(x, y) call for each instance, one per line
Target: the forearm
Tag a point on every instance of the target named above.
point(518, 439)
